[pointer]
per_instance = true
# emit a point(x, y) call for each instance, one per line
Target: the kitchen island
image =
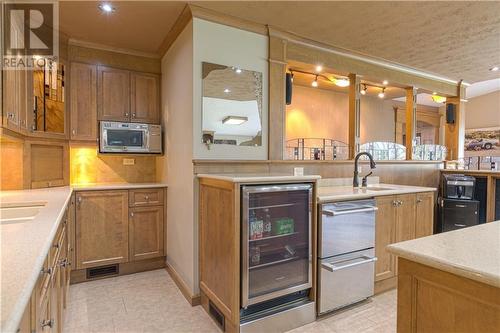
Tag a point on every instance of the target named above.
point(450, 282)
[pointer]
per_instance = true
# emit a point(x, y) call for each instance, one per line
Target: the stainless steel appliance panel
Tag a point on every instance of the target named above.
point(346, 227)
point(345, 279)
point(116, 137)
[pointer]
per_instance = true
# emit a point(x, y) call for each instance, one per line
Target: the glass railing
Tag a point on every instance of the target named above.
point(429, 152)
point(316, 149)
point(384, 151)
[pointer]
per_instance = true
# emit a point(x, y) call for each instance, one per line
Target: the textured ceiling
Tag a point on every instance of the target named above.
point(459, 40)
point(135, 25)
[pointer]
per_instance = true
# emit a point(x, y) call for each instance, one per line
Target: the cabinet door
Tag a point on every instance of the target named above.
point(144, 98)
point(25, 324)
point(385, 234)
point(14, 100)
point(56, 301)
point(146, 232)
point(101, 228)
point(113, 94)
point(425, 215)
point(83, 98)
point(406, 217)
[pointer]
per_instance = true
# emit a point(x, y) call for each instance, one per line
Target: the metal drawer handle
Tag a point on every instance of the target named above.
point(46, 323)
point(460, 206)
point(333, 268)
point(345, 212)
point(460, 225)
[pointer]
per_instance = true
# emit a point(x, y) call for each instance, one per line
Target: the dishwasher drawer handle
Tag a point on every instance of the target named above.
point(333, 268)
point(348, 211)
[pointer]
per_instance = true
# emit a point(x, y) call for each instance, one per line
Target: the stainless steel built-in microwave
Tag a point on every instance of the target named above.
point(134, 138)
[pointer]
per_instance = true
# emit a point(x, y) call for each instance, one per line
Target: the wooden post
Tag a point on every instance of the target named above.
point(354, 115)
point(454, 134)
point(411, 120)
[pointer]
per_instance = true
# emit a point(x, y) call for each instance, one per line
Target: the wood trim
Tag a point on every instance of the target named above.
point(192, 299)
point(354, 115)
point(102, 47)
point(410, 116)
point(79, 275)
point(218, 183)
point(386, 285)
point(228, 20)
point(182, 21)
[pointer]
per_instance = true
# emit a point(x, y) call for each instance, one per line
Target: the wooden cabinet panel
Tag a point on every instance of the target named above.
point(101, 228)
point(385, 234)
point(146, 232)
point(15, 100)
point(425, 215)
point(25, 325)
point(46, 164)
point(405, 217)
point(113, 94)
point(83, 101)
point(144, 98)
point(145, 197)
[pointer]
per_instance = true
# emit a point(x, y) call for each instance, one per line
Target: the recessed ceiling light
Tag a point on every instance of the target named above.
point(494, 69)
point(319, 68)
point(106, 8)
point(227, 90)
point(385, 82)
point(234, 120)
point(434, 93)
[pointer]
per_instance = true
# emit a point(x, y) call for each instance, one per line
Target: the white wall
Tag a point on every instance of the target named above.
point(228, 46)
point(176, 167)
point(483, 111)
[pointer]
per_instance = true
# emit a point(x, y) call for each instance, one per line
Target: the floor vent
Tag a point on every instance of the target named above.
point(102, 271)
point(216, 315)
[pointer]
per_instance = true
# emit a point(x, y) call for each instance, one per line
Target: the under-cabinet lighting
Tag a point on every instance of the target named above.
point(227, 90)
point(494, 68)
point(106, 8)
point(234, 120)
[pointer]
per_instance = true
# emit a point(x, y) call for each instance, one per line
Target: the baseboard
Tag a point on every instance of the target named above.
point(80, 275)
point(385, 285)
point(192, 299)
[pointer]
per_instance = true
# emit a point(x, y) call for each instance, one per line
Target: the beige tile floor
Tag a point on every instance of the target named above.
point(151, 302)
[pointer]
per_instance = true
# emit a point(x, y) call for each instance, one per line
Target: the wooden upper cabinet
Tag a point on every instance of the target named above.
point(101, 228)
point(15, 100)
point(83, 99)
point(144, 98)
point(425, 214)
point(406, 217)
point(146, 232)
point(113, 94)
point(385, 234)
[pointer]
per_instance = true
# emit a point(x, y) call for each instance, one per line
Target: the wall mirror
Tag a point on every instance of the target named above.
point(48, 81)
point(231, 106)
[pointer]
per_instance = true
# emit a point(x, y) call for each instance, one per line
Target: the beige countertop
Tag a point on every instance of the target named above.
point(341, 193)
point(25, 245)
point(259, 178)
point(472, 252)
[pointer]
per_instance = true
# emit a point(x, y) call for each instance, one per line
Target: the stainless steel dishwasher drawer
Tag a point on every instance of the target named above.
point(346, 279)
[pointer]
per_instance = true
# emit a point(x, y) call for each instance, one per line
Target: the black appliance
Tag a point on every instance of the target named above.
point(458, 209)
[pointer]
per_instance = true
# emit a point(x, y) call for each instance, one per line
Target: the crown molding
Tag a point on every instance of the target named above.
point(91, 45)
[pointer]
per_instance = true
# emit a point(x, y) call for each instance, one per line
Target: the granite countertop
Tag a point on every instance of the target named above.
point(472, 252)
point(25, 245)
point(262, 178)
point(340, 193)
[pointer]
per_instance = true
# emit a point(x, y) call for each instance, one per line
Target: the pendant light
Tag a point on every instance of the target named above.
point(315, 82)
point(363, 92)
point(382, 93)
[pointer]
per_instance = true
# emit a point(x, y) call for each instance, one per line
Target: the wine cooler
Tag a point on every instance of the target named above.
point(276, 242)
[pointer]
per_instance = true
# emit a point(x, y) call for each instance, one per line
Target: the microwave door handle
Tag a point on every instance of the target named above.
point(332, 267)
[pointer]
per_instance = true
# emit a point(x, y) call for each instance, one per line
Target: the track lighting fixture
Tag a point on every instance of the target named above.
point(363, 92)
point(291, 73)
point(319, 68)
point(315, 82)
point(382, 93)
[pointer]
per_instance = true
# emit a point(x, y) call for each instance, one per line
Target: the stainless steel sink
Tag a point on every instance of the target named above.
point(19, 212)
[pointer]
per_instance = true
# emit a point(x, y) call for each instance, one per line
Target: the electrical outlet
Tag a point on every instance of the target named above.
point(298, 171)
point(128, 161)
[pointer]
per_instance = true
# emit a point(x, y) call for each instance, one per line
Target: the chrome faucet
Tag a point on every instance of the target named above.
point(355, 182)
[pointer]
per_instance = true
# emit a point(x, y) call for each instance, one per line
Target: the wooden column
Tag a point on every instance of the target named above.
point(454, 134)
point(354, 115)
point(277, 107)
point(411, 120)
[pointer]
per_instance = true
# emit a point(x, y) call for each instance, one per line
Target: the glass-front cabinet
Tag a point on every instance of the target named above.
point(276, 241)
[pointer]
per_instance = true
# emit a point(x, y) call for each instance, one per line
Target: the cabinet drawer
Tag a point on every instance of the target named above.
point(145, 197)
point(57, 244)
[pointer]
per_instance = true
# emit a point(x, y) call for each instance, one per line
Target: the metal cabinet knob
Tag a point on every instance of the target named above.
point(47, 271)
point(133, 115)
point(419, 200)
point(131, 214)
point(126, 114)
point(73, 132)
point(147, 198)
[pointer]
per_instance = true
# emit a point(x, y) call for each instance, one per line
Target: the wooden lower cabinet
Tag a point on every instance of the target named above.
point(399, 218)
point(145, 232)
point(101, 228)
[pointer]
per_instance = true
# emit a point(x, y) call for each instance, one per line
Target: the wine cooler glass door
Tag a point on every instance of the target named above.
point(276, 241)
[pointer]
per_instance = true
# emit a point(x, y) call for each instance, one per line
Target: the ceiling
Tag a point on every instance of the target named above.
point(135, 25)
point(482, 88)
point(455, 39)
